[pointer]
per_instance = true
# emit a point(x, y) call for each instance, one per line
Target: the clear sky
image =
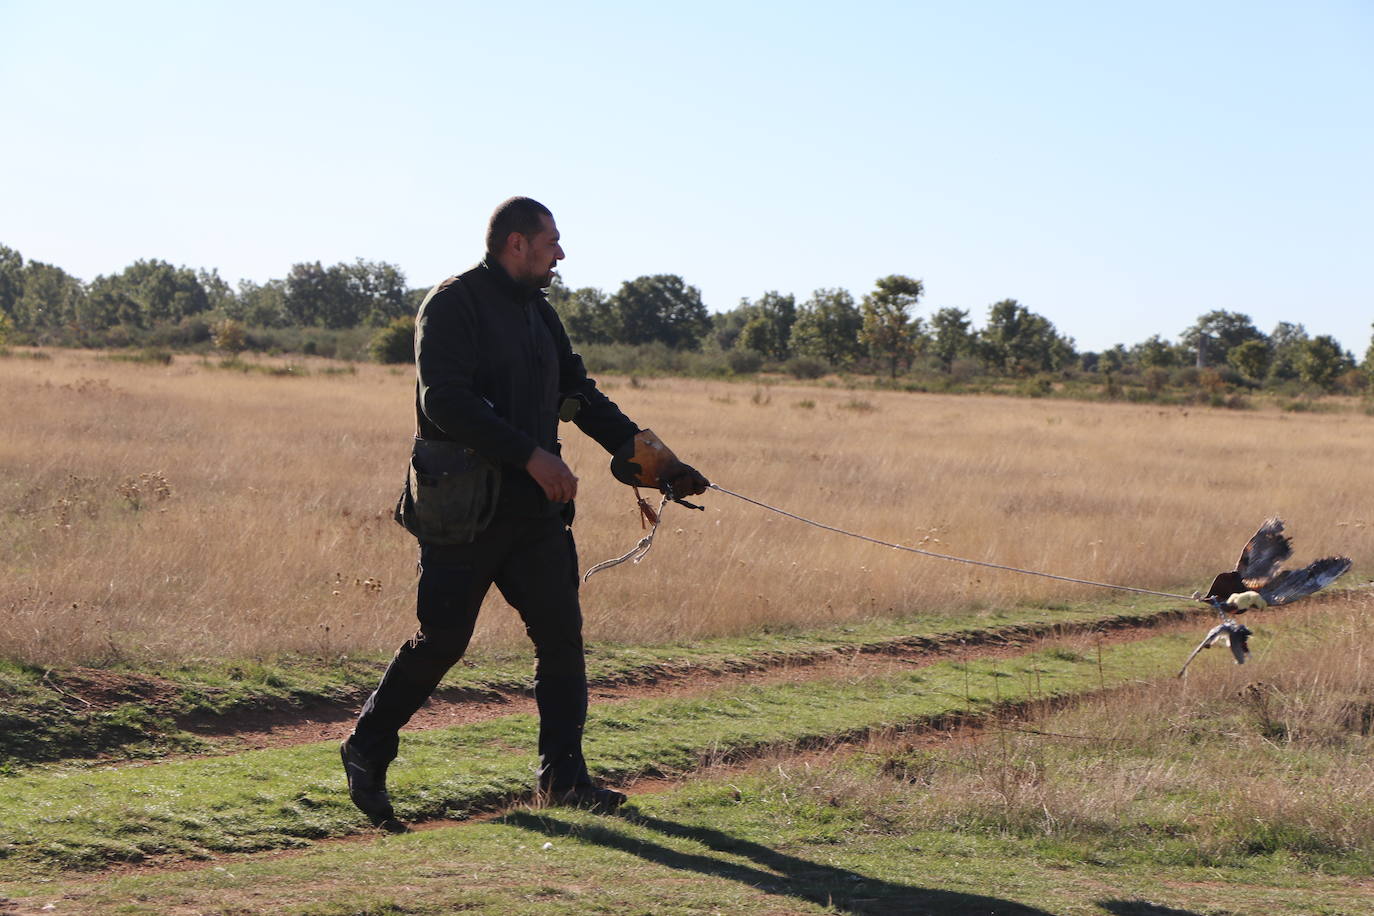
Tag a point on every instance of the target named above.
point(1118, 168)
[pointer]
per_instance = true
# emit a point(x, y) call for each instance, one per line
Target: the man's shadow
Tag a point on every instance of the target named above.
point(773, 872)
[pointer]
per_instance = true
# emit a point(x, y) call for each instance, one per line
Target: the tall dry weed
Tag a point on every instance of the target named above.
point(260, 505)
point(1206, 770)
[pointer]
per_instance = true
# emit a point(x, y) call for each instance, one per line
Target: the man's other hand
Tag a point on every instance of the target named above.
point(556, 478)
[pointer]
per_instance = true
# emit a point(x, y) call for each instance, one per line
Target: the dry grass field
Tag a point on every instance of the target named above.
point(164, 512)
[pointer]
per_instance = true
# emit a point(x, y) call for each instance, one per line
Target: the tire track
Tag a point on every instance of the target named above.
point(257, 729)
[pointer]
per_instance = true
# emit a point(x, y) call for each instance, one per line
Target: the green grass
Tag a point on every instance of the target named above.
point(780, 839)
point(1158, 797)
point(46, 715)
point(85, 817)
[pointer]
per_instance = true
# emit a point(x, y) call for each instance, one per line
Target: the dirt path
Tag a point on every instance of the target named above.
point(285, 727)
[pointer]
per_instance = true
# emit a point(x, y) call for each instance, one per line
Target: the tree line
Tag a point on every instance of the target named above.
point(880, 332)
point(42, 301)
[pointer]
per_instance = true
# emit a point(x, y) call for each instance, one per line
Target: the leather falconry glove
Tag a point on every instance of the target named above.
point(644, 461)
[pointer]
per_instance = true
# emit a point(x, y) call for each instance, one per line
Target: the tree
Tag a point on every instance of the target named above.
point(659, 308)
point(827, 327)
point(769, 328)
point(108, 303)
point(1018, 340)
point(1113, 359)
point(319, 296)
point(263, 305)
point(145, 293)
point(1251, 359)
point(164, 293)
point(952, 334)
point(51, 298)
point(1285, 344)
point(1369, 358)
point(1321, 360)
point(889, 330)
point(415, 297)
point(586, 313)
point(590, 319)
point(1217, 333)
point(1155, 353)
point(11, 280)
point(376, 291)
point(726, 327)
point(219, 294)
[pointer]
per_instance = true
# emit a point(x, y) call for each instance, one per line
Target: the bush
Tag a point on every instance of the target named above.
point(1156, 380)
point(743, 361)
point(964, 370)
point(118, 336)
point(1037, 387)
point(186, 333)
point(148, 356)
point(806, 367)
point(229, 336)
point(1352, 381)
point(395, 343)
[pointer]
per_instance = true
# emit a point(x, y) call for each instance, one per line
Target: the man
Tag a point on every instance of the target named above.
point(491, 500)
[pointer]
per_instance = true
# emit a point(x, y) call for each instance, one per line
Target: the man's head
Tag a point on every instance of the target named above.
point(523, 239)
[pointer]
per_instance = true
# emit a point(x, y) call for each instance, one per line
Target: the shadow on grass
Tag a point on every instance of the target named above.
point(1141, 908)
point(773, 872)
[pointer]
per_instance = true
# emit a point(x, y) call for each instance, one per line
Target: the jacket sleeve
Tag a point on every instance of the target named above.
point(446, 348)
point(598, 417)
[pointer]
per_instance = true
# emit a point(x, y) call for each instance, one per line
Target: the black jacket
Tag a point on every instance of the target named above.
point(493, 366)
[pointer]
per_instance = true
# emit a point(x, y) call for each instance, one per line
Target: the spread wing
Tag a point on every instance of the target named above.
point(1207, 641)
point(1265, 551)
point(1292, 584)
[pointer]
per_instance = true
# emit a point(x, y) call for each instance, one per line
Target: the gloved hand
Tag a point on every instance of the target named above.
point(644, 461)
point(683, 480)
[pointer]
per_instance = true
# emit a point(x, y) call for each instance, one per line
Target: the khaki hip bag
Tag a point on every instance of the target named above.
point(450, 493)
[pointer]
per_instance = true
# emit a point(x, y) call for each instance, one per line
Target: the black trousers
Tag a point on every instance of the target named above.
point(534, 563)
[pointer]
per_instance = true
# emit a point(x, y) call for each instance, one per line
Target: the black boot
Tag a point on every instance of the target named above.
point(592, 798)
point(367, 787)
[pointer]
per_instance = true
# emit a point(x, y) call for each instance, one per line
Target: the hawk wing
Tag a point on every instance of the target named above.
point(1292, 584)
point(1264, 552)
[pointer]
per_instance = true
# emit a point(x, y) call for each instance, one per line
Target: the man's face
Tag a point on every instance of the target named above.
point(541, 255)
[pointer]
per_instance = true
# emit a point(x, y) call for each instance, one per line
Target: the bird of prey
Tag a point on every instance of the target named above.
point(1257, 581)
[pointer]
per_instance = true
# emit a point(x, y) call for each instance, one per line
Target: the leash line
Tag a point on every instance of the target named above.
point(638, 551)
point(945, 556)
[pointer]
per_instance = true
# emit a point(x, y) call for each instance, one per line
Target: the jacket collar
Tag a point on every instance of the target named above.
point(517, 291)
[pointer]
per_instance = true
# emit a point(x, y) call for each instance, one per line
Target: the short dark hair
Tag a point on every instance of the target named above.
point(517, 214)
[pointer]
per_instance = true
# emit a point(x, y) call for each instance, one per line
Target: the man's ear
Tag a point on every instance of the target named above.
point(517, 242)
